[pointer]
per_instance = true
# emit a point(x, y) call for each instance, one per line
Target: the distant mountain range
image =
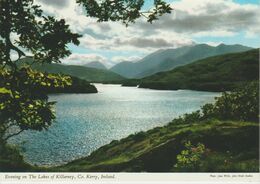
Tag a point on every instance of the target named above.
point(218, 73)
point(96, 64)
point(82, 72)
point(159, 61)
point(168, 59)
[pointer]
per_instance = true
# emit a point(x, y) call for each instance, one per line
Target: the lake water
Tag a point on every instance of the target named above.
point(85, 122)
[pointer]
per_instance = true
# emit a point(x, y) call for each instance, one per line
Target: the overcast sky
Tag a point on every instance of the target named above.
point(192, 21)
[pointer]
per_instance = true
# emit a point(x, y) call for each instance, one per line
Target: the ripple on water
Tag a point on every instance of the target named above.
point(87, 121)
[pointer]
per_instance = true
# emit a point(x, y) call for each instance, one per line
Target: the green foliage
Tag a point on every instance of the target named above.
point(190, 158)
point(123, 10)
point(45, 37)
point(192, 117)
point(139, 136)
point(78, 86)
point(11, 160)
point(23, 27)
point(241, 104)
point(22, 102)
point(199, 159)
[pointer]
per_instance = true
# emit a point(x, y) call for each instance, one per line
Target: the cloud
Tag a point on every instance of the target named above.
point(214, 44)
point(82, 59)
point(55, 3)
point(114, 36)
point(189, 20)
point(200, 18)
point(146, 42)
point(205, 16)
point(135, 43)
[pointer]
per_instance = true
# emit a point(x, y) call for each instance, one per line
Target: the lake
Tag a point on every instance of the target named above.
point(85, 122)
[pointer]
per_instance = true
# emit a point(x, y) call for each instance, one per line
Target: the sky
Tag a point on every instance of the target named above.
point(191, 22)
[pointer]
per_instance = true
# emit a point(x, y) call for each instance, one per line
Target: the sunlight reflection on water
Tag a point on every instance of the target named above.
point(87, 121)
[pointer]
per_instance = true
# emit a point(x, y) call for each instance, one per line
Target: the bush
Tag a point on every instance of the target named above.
point(200, 159)
point(241, 104)
point(139, 136)
point(192, 117)
point(190, 158)
point(11, 160)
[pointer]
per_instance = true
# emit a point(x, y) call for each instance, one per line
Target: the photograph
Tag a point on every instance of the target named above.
point(106, 90)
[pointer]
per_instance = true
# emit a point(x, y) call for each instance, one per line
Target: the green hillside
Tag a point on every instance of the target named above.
point(156, 150)
point(82, 72)
point(168, 59)
point(218, 73)
point(77, 86)
point(191, 54)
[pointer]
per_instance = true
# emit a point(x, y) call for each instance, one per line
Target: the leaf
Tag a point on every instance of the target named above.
point(5, 91)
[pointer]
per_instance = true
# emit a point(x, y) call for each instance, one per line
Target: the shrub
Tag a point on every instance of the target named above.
point(11, 160)
point(241, 104)
point(192, 117)
point(190, 158)
point(139, 136)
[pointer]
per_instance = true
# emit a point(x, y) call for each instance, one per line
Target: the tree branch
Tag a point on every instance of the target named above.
point(6, 36)
point(143, 14)
point(19, 52)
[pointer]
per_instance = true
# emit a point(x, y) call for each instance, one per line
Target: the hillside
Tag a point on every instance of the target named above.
point(219, 73)
point(156, 150)
point(232, 146)
point(125, 68)
point(77, 86)
point(164, 60)
point(96, 64)
point(82, 72)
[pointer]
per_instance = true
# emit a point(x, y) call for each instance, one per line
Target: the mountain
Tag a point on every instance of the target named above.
point(218, 73)
point(125, 68)
point(97, 65)
point(82, 72)
point(164, 60)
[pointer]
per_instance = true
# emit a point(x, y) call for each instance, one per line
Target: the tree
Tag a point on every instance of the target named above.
point(25, 29)
point(126, 11)
point(242, 104)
